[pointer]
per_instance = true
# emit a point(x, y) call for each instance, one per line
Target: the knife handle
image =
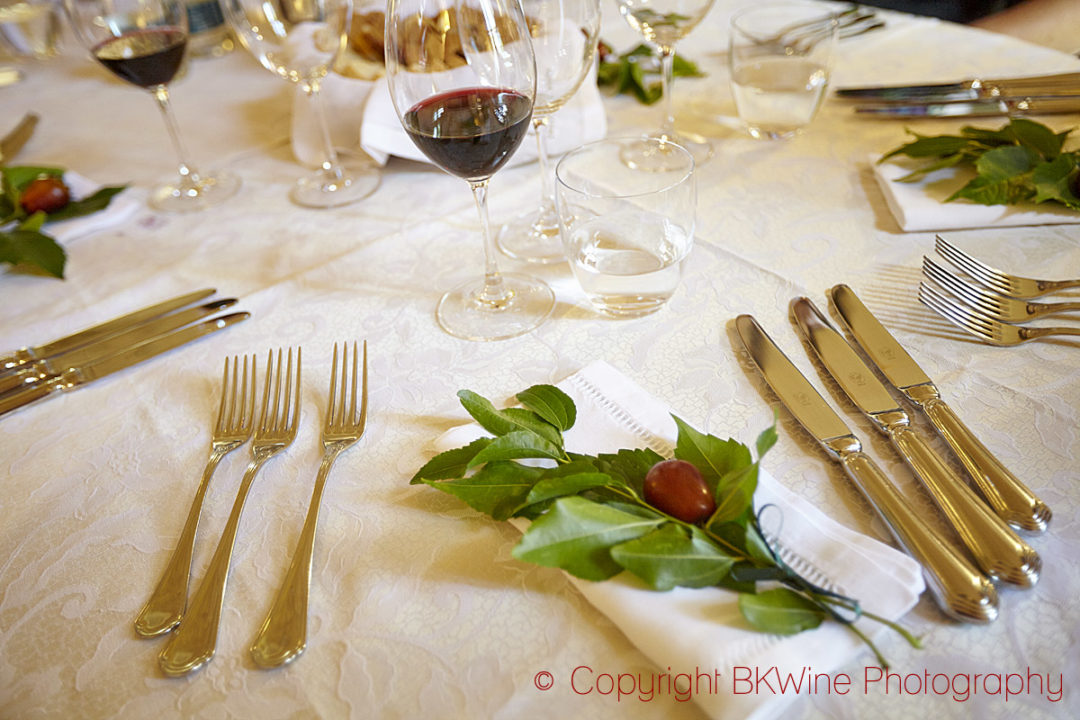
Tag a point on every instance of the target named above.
point(21, 398)
point(961, 591)
point(13, 361)
point(1008, 497)
point(24, 377)
point(996, 548)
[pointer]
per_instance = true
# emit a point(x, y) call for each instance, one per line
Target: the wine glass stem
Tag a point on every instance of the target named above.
point(189, 176)
point(494, 293)
point(667, 78)
point(330, 166)
point(546, 217)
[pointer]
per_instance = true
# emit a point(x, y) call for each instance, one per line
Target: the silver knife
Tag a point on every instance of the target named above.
point(1012, 105)
point(76, 377)
point(11, 362)
point(997, 549)
point(13, 142)
point(41, 370)
point(969, 89)
point(1007, 496)
point(961, 591)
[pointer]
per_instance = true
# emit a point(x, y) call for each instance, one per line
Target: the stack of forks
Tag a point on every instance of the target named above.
point(993, 305)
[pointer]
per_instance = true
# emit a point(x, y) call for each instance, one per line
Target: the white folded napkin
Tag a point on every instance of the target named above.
point(701, 630)
point(122, 206)
point(919, 206)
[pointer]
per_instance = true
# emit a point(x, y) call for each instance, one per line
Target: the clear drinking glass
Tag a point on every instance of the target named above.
point(462, 76)
point(626, 230)
point(663, 23)
point(564, 37)
point(143, 42)
point(298, 40)
point(780, 59)
point(29, 28)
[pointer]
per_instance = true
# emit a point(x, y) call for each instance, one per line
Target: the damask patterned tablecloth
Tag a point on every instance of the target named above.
point(418, 609)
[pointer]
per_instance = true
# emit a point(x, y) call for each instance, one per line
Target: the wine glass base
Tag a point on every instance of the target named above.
point(772, 134)
point(209, 190)
point(527, 238)
point(657, 158)
point(462, 313)
point(357, 180)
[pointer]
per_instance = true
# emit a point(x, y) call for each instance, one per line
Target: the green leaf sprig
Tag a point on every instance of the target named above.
point(636, 71)
point(1023, 161)
point(589, 516)
point(22, 240)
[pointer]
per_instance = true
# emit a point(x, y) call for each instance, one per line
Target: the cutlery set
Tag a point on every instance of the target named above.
point(283, 635)
point(962, 582)
point(991, 306)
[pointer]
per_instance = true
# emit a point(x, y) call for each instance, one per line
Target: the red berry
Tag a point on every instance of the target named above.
point(45, 194)
point(677, 488)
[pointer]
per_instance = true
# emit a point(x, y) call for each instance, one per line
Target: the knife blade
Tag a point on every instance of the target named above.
point(969, 89)
point(11, 362)
point(1011, 105)
point(1006, 494)
point(40, 370)
point(961, 591)
point(13, 142)
point(77, 377)
point(997, 549)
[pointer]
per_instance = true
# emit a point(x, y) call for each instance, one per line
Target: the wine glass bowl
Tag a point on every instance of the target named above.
point(143, 42)
point(299, 41)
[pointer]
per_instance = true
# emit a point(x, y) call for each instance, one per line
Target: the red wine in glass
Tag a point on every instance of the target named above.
point(146, 58)
point(470, 132)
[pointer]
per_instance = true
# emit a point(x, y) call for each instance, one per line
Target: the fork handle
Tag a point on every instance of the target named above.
point(163, 611)
point(195, 641)
point(1038, 332)
point(283, 635)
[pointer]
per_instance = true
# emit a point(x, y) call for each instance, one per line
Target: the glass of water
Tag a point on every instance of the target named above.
point(780, 58)
point(29, 28)
point(626, 231)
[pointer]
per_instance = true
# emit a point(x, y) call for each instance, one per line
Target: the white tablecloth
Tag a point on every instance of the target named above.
point(418, 610)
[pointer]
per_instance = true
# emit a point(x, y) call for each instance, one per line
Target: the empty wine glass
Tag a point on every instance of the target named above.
point(564, 36)
point(143, 42)
point(462, 77)
point(663, 23)
point(299, 40)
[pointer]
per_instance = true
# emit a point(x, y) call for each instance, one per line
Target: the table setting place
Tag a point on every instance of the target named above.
point(741, 382)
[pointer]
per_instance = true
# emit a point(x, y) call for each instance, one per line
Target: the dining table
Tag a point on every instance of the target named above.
point(418, 609)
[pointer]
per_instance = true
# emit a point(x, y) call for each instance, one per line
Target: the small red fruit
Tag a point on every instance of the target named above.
point(45, 194)
point(677, 488)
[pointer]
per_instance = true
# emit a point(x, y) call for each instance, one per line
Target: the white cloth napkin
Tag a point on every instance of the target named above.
point(700, 630)
point(122, 206)
point(920, 206)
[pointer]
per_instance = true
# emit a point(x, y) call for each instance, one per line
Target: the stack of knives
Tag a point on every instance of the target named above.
point(962, 582)
point(32, 374)
point(973, 97)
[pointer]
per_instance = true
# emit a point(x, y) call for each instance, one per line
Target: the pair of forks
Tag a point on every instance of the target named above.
point(283, 635)
point(990, 309)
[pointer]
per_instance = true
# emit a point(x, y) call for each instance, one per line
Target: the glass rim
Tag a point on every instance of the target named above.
point(619, 140)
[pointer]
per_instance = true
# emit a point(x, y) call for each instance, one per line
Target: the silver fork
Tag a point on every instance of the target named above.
point(163, 611)
point(195, 641)
point(283, 635)
point(998, 281)
point(982, 325)
point(1001, 307)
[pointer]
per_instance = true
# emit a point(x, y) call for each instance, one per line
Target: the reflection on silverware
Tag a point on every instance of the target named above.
point(163, 611)
point(980, 324)
point(961, 591)
point(1012, 105)
point(283, 635)
point(195, 640)
point(998, 306)
point(969, 89)
point(996, 549)
point(998, 281)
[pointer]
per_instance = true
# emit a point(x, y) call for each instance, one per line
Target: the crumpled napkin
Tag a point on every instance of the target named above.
point(701, 630)
point(920, 206)
point(122, 206)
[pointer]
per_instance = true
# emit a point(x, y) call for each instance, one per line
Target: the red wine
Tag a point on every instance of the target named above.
point(146, 58)
point(472, 132)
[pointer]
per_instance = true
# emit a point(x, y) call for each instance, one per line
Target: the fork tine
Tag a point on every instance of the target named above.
point(972, 295)
point(247, 404)
point(341, 417)
point(972, 320)
point(332, 408)
point(293, 420)
point(362, 424)
point(266, 391)
point(352, 400)
point(933, 300)
point(991, 277)
point(220, 424)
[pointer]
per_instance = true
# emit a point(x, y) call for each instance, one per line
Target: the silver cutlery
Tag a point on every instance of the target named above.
point(76, 377)
point(14, 360)
point(18, 136)
point(194, 642)
point(999, 306)
point(984, 326)
point(1011, 105)
point(283, 635)
point(969, 89)
point(997, 280)
point(165, 607)
point(961, 591)
point(1006, 494)
point(996, 549)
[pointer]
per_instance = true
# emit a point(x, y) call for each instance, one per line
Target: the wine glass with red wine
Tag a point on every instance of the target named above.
point(462, 76)
point(143, 42)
